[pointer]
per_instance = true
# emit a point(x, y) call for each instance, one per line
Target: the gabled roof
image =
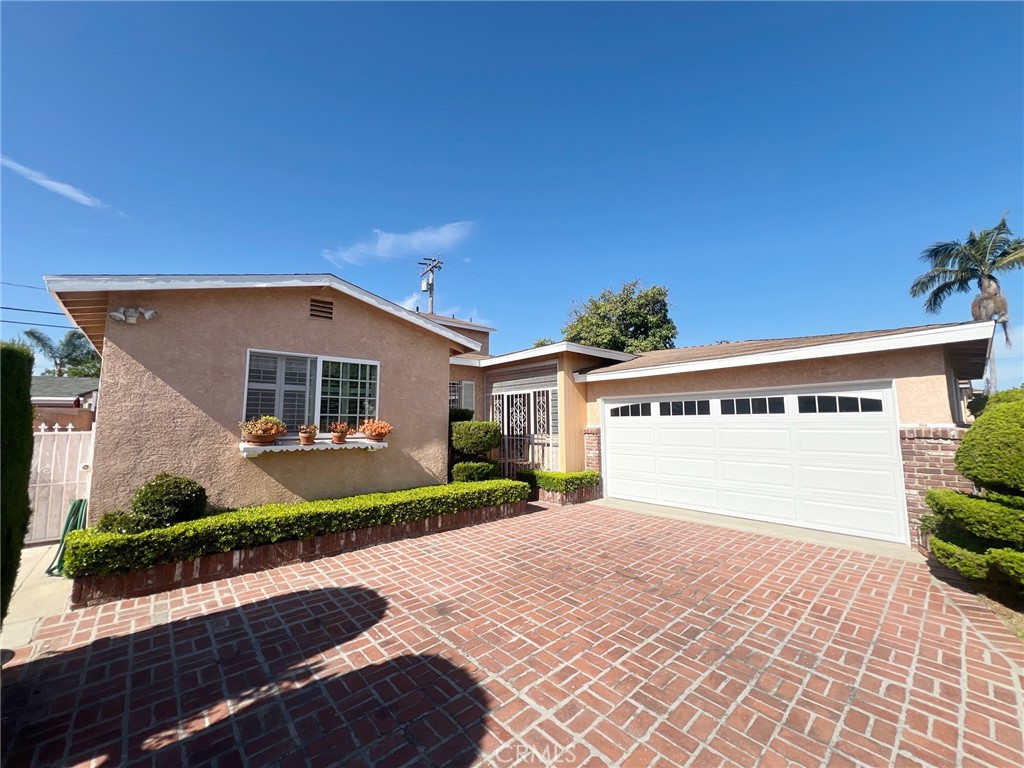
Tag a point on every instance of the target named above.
point(480, 361)
point(63, 387)
point(84, 297)
point(972, 339)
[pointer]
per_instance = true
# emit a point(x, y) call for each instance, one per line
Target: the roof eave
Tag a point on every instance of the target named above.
point(921, 338)
point(65, 284)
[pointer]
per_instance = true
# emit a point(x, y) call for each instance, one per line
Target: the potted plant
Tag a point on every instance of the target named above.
point(307, 434)
point(339, 431)
point(375, 430)
point(263, 430)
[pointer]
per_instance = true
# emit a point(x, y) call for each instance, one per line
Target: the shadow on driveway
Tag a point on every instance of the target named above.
point(268, 683)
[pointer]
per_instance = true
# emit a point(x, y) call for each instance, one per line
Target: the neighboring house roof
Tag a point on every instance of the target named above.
point(63, 387)
point(972, 342)
point(453, 323)
point(480, 361)
point(84, 298)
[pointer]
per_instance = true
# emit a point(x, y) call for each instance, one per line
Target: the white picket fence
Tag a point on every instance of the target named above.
point(61, 470)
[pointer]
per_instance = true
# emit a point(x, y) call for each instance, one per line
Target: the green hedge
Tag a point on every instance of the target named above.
point(563, 482)
point(16, 362)
point(979, 403)
point(91, 552)
point(972, 564)
point(168, 499)
point(980, 516)
point(475, 438)
point(991, 454)
point(474, 471)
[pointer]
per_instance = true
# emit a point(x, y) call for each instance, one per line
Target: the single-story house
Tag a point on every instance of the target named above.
point(837, 433)
point(64, 400)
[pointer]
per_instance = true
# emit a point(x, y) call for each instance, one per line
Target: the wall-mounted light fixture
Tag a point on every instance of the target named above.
point(131, 315)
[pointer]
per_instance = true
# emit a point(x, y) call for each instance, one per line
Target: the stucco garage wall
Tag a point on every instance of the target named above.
point(922, 391)
point(173, 388)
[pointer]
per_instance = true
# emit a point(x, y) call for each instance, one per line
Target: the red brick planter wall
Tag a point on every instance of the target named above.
point(93, 590)
point(928, 454)
point(592, 448)
point(579, 496)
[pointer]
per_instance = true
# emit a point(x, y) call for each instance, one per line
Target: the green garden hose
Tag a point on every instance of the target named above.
point(74, 522)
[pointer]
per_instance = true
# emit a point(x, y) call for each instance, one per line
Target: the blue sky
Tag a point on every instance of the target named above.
point(778, 166)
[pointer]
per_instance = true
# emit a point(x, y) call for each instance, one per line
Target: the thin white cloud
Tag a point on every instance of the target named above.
point(390, 246)
point(44, 181)
point(410, 301)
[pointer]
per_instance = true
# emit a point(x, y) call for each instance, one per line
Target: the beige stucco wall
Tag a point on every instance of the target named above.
point(572, 411)
point(922, 390)
point(172, 396)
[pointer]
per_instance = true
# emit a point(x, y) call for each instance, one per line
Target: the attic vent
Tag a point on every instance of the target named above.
point(321, 308)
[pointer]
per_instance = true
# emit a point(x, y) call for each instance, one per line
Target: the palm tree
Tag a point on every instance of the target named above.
point(73, 349)
point(955, 265)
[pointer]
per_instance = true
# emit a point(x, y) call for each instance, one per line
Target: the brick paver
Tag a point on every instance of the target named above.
point(577, 636)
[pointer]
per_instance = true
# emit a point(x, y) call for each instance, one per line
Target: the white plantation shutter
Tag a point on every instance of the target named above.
point(469, 395)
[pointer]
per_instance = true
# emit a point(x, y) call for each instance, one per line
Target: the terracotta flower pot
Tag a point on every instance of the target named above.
point(338, 437)
point(259, 439)
point(376, 438)
point(305, 439)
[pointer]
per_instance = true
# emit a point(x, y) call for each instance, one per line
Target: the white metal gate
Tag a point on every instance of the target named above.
point(529, 429)
point(61, 469)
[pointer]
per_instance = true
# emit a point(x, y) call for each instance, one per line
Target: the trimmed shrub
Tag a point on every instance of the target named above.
point(977, 404)
point(563, 482)
point(119, 521)
point(967, 562)
point(991, 454)
point(168, 499)
point(1009, 562)
point(980, 516)
point(92, 552)
point(475, 438)
point(16, 362)
point(460, 414)
point(474, 471)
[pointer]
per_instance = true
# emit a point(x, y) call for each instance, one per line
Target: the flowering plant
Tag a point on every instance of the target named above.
point(264, 425)
point(340, 427)
point(375, 428)
point(309, 429)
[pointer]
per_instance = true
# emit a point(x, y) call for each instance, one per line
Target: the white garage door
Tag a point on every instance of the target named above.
point(827, 459)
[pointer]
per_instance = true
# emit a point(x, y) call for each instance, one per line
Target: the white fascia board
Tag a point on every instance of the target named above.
point(554, 349)
point(924, 338)
point(463, 324)
point(468, 362)
point(82, 283)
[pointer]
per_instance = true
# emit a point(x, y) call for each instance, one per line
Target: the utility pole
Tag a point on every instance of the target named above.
point(427, 285)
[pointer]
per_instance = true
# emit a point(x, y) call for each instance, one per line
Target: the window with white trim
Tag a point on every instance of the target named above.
point(301, 389)
point(462, 394)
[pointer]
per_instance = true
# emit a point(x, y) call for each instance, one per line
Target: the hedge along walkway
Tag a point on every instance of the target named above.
point(579, 636)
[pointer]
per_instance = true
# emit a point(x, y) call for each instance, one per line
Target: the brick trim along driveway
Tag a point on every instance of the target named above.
point(583, 636)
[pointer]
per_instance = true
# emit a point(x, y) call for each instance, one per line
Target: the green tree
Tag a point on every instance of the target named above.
point(633, 320)
point(74, 350)
point(954, 266)
point(543, 342)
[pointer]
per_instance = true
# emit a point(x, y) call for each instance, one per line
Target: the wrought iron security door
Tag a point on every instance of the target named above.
point(529, 429)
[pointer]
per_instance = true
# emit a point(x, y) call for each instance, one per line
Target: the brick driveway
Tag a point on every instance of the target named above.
point(585, 636)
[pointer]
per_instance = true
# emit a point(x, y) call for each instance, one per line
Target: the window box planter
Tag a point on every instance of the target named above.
point(320, 444)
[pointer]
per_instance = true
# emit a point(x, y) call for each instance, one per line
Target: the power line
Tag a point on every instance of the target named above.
point(37, 325)
point(37, 311)
point(22, 285)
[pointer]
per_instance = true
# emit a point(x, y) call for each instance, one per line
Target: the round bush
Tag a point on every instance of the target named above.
point(119, 521)
point(475, 438)
point(992, 452)
point(460, 414)
point(169, 499)
point(474, 471)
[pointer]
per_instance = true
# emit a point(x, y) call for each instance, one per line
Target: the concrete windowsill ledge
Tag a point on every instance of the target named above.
point(292, 444)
